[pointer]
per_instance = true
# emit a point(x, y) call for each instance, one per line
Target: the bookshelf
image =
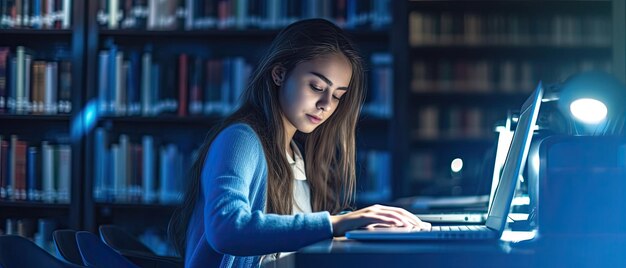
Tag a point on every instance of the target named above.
point(449, 88)
point(465, 64)
point(196, 54)
point(41, 62)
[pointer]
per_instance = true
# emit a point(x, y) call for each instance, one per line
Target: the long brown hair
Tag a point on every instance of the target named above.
point(329, 150)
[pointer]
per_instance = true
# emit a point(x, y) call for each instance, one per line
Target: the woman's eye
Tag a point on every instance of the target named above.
point(337, 98)
point(316, 88)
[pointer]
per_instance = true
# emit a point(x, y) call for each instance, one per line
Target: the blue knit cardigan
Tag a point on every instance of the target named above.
point(229, 227)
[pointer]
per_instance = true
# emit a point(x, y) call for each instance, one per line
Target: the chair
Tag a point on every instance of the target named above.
point(121, 240)
point(133, 249)
point(67, 248)
point(97, 254)
point(17, 251)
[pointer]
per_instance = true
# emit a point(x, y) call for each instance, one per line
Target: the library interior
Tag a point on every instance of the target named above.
point(467, 109)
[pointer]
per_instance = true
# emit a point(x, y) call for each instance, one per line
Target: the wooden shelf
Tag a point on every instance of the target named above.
point(26, 31)
point(228, 35)
point(162, 119)
point(509, 51)
point(32, 204)
point(63, 118)
point(531, 7)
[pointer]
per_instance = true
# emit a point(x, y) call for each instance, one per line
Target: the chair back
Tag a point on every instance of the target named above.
point(97, 254)
point(67, 248)
point(17, 251)
point(134, 250)
point(120, 240)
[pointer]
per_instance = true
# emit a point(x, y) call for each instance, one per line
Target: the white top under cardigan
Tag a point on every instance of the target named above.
point(301, 196)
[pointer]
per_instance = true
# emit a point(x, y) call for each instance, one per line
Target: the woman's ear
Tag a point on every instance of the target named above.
point(278, 75)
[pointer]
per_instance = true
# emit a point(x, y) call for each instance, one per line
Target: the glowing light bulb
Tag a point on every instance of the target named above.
point(456, 165)
point(588, 111)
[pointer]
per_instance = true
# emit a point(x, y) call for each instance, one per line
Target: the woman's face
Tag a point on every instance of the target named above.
point(312, 91)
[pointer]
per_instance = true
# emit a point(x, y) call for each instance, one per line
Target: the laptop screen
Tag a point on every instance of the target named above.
point(515, 161)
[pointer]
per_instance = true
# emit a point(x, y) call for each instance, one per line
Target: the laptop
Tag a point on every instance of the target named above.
point(475, 215)
point(496, 219)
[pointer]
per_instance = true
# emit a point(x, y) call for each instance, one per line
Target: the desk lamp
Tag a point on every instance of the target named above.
point(592, 104)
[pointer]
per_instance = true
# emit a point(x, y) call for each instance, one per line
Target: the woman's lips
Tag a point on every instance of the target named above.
point(314, 119)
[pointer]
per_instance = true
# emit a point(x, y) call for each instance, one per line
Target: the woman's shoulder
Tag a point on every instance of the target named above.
point(238, 129)
point(241, 133)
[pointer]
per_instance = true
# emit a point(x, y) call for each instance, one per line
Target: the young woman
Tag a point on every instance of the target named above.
point(252, 192)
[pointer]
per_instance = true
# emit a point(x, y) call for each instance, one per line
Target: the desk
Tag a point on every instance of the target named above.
point(596, 251)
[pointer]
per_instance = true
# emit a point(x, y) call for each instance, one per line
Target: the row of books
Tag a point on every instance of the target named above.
point(487, 76)
point(451, 28)
point(36, 14)
point(238, 14)
point(135, 84)
point(38, 230)
point(374, 176)
point(435, 122)
point(31, 85)
point(379, 101)
point(144, 172)
point(35, 173)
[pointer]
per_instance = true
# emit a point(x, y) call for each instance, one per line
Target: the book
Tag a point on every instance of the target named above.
point(182, 84)
point(19, 179)
point(148, 158)
point(4, 76)
point(4, 166)
point(51, 89)
point(33, 174)
point(65, 87)
point(48, 178)
point(64, 173)
point(39, 86)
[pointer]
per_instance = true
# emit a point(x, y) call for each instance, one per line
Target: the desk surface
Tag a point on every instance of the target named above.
point(599, 251)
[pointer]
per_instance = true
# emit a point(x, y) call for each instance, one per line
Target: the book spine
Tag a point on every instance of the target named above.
point(19, 190)
point(26, 104)
point(19, 80)
point(118, 99)
point(64, 173)
point(148, 158)
point(11, 185)
point(195, 91)
point(32, 174)
point(146, 90)
point(100, 165)
point(103, 81)
point(47, 161)
point(121, 102)
point(182, 85)
point(67, 18)
point(65, 87)
point(122, 171)
point(132, 85)
point(49, 14)
point(113, 14)
point(4, 57)
point(51, 88)
point(4, 165)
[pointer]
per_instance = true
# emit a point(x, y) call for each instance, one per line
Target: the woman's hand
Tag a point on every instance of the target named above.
point(375, 215)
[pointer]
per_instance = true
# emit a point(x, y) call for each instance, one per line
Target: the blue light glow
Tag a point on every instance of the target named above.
point(85, 120)
point(456, 165)
point(588, 110)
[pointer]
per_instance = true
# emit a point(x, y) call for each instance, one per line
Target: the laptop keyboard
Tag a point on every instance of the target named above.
point(459, 228)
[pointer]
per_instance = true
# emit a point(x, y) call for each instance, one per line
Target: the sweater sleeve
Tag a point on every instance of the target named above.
point(235, 169)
